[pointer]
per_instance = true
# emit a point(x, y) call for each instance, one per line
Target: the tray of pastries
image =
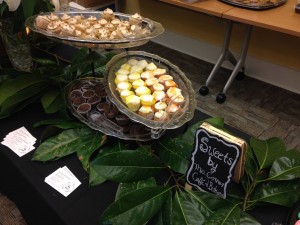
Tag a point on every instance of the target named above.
point(96, 29)
point(150, 90)
point(87, 100)
point(255, 4)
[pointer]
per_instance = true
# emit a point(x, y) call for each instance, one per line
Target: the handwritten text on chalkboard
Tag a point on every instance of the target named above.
point(212, 163)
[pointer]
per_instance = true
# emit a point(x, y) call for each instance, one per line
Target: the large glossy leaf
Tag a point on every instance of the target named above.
point(277, 192)
point(60, 123)
point(286, 167)
point(266, 151)
point(189, 136)
point(94, 177)
point(126, 188)
point(137, 207)
point(228, 215)
point(175, 153)
point(247, 219)
point(28, 7)
point(164, 216)
point(186, 210)
point(127, 166)
point(92, 143)
point(52, 101)
point(65, 143)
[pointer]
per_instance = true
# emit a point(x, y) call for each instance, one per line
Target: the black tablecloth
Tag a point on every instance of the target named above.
point(22, 180)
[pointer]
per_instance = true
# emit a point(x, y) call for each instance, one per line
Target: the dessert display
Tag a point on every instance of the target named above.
point(103, 29)
point(87, 100)
point(150, 90)
point(255, 4)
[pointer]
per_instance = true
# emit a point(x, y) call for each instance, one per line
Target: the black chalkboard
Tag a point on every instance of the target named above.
point(212, 163)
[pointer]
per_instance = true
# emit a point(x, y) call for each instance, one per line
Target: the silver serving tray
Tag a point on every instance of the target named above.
point(155, 29)
point(254, 5)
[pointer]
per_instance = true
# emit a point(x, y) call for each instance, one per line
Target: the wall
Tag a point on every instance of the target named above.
point(267, 48)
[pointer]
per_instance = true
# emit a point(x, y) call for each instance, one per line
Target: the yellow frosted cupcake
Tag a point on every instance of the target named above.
point(121, 78)
point(138, 83)
point(133, 77)
point(124, 86)
point(125, 93)
point(148, 100)
point(149, 82)
point(147, 75)
point(126, 66)
point(142, 90)
point(151, 66)
point(133, 103)
point(136, 69)
point(122, 71)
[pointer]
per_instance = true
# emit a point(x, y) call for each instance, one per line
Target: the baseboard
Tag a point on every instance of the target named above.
point(265, 71)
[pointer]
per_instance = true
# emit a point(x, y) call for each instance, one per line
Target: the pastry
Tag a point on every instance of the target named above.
point(142, 63)
point(102, 22)
point(173, 91)
point(133, 103)
point(123, 86)
point(126, 66)
point(177, 99)
point(170, 83)
point(160, 106)
point(151, 66)
point(159, 95)
point(163, 78)
point(65, 17)
point(161, 115)
point(132, 62)
point(54, 27)
point(172, 109)
point(149, 82)
point(157, 87)
point(138, 83)
point(142, 90)
point(147, 75)
point(42, 22)
point(147, 99)
point(121, 78)
point(146, 111)
point(133, 77)
point(122, 71)
point(136, 69)
point(158, 72)
point(135, 19)
point(92, 20)
point(125, 93)
point(108, 14)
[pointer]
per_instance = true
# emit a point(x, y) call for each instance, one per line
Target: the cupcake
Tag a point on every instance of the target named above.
point(161, 115)
point(123, 71)
point(84, 108)
point(170, 83)
point(121, 78)
point(103, 106)
point(133, 103)
point(81, 26)
point(133, 62)
point(115, 22)
point(147, 75)
point(133, 77)
point(172, 109)
point(125, 93)
point(123, 86)
point(151, 66)
point(159, 95)
point(146, 111)
point(142, 90)
point(53, 17)
point(108, 14)
point(138, 83)
point(67, 30)
point(88, 94)
point(177, 99)
point(135, 19)
point(157, 87)
point(147, 100)
point(173, 91)
point(136, 69)
point(92, 20)
point(163, 78)
point(160, 106)
point(149, 82)
point(122, 119)
point(79, 18)
point(94, 100)
point(125, 66)
point(158, 72)
point(142, 63)
point(72, 21)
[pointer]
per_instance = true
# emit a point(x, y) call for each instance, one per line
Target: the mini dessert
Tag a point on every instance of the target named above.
point(147, 75)
point(151, 66)
point(125, 93)
point(126, 33)
point(97, 26)
point(108, 14)
point(160, 106)
point(136, 69)
point(53, 17)
point(92, 19)
point(121, 78)
point(42, 22)
point(94, 100)
point(72, 21)
point(82, 26)
point(138, 83)
point(146, 111)
point(173, 91)
point(142, 63)
point(111, 112)
point(177, 99)
point(132, 62)
point(159, 95)
point(90, 36)
point(88, 94)
point(150, 81)
point(133, 103)
point(110, 27)
point(115, 22)
point(135, 19)
point(161, 115)
point(54, 27)
point(65, 17)
point(158, 72)
point(123, 86)
point(163, 78)
point(77, 33)
point(122, 119)
point(67, 30)
point(173, 109)
point(147, 99)
point(102, 22)
point(79, 18)
point(170, 83)
point(90, 30)
point(126, 66)
point(84, 108)
point(142, 90)
point(133, 77)
point(122, 71)
point(75, 94)
point(157, 87)
point(103, 106)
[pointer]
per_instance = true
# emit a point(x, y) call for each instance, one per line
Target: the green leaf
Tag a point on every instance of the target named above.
point(63, 144)
point(45, 62)
point(127, 166)
point(247, 219)
point(60, 123)
point(164, 216)
point(52, 101)
point(267, 151)
point(175, 153)
point(277, 192)
point(126, 188)
point(28, 7)
point(228, 215)
point(137, 207)
point(286, 167)
point(94, 177)
point(187, 210)
point(91, 145)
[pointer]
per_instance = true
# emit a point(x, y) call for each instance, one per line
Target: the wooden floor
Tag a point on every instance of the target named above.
point(257, 108)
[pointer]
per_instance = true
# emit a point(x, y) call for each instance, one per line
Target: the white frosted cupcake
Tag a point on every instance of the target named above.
point(133, 62)
point(161, 115)
point(151, 66)
point(146, 111)
point(138, 83)
point(121, 78)
point(159, 95)
point(133, 103)
point(142, 90)
point(160, 106)
point(133, 77)
point(123, 86)
point(147, 75)
point(125, 93)
point(148, 100)
point(173, 91)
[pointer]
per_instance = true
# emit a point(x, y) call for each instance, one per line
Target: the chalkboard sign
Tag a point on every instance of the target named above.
point(212, 162)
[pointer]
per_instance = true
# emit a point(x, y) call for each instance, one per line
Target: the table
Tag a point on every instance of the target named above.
point(282, 19)
point(22, 180)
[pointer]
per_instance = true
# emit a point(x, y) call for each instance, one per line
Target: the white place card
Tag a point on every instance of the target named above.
point(63, 180)
point(19, 141)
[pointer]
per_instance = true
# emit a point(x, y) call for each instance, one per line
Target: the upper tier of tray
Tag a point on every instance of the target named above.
point(135, 35)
